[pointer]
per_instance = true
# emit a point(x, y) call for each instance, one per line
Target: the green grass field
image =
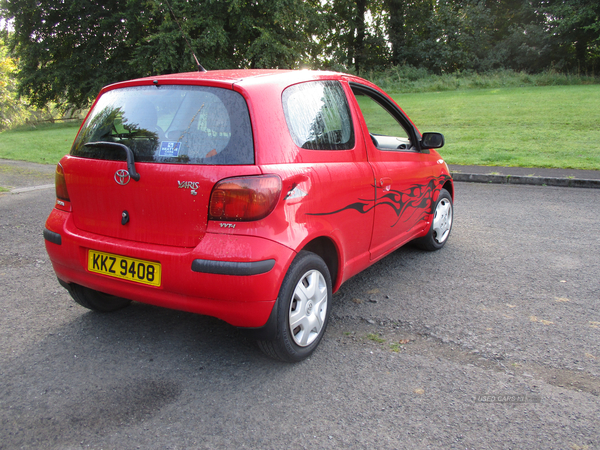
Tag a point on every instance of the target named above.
point(551, 126)
point(547, 126)
point(44, 144)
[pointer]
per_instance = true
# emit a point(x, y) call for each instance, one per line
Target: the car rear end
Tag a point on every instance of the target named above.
point(161, 172)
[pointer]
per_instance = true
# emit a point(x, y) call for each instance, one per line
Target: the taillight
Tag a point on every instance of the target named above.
point(244, 198)
point(60, 184)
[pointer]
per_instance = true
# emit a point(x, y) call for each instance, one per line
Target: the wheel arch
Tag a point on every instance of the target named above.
point(325, 248)
point(449, 186)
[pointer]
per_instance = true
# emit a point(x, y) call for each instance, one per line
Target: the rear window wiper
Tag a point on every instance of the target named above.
point(130, 162)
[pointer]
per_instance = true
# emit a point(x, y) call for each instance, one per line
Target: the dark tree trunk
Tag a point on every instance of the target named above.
point(359, 44)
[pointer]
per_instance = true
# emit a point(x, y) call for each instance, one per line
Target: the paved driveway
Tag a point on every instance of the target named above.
point(492, 342)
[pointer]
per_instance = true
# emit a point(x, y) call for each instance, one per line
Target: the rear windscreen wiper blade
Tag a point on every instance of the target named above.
point(130, 162)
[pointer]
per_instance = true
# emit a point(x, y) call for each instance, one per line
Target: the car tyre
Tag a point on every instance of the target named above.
point(95, 300)
point(441, 224)
point(303, 309)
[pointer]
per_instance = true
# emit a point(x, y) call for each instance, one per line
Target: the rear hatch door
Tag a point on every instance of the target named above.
point(180, 139)
point(168, 205)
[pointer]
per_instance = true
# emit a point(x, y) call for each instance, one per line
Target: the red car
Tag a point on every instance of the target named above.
point(247, 195)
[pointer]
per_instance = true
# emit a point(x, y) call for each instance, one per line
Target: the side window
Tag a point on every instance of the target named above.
point(387, 133)
point(318, 116)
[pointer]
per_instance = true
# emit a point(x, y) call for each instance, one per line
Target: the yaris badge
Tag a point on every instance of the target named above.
point(122, 177)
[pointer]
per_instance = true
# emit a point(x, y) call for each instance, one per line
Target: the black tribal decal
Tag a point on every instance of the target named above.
point(418, 197)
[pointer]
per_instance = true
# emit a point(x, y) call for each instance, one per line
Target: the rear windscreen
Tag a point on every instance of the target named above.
point(169, 124)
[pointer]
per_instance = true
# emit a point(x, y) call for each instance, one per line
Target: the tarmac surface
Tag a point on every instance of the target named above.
point(490, 343)
point(20, 176)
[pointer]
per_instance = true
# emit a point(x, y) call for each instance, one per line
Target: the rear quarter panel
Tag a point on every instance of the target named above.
point(317, 185)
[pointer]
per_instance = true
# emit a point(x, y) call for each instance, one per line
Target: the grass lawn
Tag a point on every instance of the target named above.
point(547, 126)
point(44, 144)
point(550, 126)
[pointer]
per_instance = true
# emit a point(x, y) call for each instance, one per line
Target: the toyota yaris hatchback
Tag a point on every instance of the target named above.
point(250, 196)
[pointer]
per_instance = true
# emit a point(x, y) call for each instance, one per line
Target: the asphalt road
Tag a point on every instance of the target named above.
point(492, 342)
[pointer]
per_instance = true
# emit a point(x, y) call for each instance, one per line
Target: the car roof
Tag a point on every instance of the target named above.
point(227, 78)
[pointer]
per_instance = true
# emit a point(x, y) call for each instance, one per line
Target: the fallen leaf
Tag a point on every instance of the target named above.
point(589, 355)
point(511, 306)
point(579, 447)
point(404, 341)
point(562, 299)
point(373, 291)
point(545, 322)
point(358, 301)
point(419, 391)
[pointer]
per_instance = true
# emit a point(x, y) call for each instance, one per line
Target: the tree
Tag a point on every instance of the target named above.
point(450, 35)
point(441, 35)
point(519, 38)
point(575, 28)
point(355, 36)
point(408, 25)
point(228, 34)
point(11, 109)
point(69, 50)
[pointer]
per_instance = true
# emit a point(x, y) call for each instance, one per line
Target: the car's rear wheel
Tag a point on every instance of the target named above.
point(441, 225)
point(95, 300)
point(303, 310)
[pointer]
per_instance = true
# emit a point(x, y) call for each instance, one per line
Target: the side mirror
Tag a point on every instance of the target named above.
point(432, 140)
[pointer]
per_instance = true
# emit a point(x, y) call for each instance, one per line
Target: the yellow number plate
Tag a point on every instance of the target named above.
point(131, 269)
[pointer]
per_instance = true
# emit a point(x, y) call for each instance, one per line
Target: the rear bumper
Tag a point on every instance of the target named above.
point(234, 278)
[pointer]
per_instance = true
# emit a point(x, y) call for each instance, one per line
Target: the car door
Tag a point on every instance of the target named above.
point(403, 172)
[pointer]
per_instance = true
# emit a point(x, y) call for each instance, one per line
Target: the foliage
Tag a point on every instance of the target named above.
point(226, 34)
point(11, 110)
point(351, 36)
point(406, 78)
point(68, 50)
point(15, 111)
point(53, 38)
point(451, 35)
point(575, 28)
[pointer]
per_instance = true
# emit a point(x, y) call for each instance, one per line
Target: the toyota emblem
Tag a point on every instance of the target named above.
point(122, 177)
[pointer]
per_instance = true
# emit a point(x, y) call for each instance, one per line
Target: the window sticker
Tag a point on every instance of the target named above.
point(169, 149)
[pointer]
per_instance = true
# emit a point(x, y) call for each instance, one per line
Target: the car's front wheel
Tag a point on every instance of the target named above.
point(441, 225)
point(303, 310)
